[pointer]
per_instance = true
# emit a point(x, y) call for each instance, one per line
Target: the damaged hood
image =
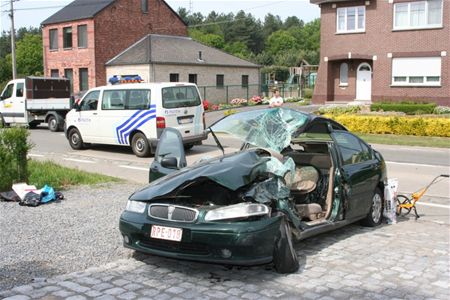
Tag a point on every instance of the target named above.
point(231, 171)
point(265, 128)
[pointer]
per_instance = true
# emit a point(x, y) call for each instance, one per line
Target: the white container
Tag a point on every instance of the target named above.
point(390, 196)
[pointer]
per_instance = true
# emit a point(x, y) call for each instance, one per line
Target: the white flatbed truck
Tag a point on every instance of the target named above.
point(34, 100)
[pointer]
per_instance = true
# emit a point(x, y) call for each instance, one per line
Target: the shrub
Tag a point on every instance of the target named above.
point(229, 112)
point(418, 126)
point(339, 110)
point(307, 93)
point(293, 99)
point(14, 148)
point(408, 108)
point(440, 110)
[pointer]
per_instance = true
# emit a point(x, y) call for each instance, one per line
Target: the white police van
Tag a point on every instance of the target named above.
point(136, 114)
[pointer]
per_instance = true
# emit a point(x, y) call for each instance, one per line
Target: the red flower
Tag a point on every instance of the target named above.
point(205, 104)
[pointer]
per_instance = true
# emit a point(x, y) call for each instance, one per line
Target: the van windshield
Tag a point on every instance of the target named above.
point(180, 96)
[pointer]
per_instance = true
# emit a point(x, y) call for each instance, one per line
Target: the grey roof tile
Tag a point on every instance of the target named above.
point(166, 49)
point(78, 10)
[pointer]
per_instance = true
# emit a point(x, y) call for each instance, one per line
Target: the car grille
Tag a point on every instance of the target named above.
point(172, 212)
point(188, 248)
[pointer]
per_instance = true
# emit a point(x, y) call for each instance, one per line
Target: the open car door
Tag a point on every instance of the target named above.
point(169, 155)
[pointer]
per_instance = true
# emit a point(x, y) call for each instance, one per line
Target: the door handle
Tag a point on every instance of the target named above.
point(94, 114)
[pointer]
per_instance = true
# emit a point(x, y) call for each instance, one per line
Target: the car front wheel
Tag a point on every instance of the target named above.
point(375, 214)
point(75, 139)
point(284, 256)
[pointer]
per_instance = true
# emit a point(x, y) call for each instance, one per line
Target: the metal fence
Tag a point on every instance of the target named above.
point(217, 95)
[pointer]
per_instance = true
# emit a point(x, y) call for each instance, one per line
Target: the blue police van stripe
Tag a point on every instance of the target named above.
point(131, 121)
point(153, 106)
point(132, 126)
point(139, 125)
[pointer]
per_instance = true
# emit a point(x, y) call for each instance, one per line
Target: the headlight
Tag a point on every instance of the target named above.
point(135, 206)
point(241, 210)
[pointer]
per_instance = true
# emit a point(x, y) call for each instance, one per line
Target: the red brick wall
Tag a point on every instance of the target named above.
point(111, 31)
point(74, 58)
point(122, 24)
point(378, 40)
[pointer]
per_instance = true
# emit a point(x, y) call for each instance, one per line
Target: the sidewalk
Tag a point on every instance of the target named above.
point(408, 260)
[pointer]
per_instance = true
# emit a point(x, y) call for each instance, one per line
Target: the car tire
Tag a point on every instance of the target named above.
point(375, 215)
point(284, 256)
point(75, 139)
point(53, 124)
point(2, 122)
point(188, 146)
point(140, 145)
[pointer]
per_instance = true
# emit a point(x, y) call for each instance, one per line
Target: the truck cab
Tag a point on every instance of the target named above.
point(12, 99)
point(34, 100)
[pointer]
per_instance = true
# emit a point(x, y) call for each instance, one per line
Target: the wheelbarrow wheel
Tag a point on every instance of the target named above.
point(403, 211)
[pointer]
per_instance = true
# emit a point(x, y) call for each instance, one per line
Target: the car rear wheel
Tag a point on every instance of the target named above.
point(284, 256)
point(2, 122)
point(140, 145)
point(375, 214)
point(75, 139)
point(188, 146)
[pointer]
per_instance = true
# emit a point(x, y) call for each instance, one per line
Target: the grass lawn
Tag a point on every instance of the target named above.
point(410, 140)
point(59, 177)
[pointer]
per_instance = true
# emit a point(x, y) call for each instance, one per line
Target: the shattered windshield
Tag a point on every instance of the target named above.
point(265, 128)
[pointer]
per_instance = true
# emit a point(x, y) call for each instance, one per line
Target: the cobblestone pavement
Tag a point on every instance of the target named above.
point(409, 260)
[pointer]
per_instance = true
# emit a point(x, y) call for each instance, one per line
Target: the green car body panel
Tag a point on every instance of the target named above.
point(250, 243)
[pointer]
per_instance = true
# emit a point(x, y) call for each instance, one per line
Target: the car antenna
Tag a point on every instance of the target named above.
point(217, 141)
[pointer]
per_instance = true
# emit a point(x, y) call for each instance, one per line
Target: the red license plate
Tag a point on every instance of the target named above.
point(166, 233)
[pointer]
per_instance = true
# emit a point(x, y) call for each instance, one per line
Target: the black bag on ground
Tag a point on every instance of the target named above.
point(31, 199)
point(9, 196)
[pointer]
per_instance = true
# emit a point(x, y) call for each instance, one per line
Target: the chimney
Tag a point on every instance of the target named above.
point(200, 55)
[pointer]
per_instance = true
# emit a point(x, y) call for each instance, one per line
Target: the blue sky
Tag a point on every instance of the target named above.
point(33, 12)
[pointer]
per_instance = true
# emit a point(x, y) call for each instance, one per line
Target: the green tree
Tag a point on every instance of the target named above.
point(293, 22)
point(29, 54)
point(238, 49)
point(280, 41)
point(247, 30)
point(271, 24)
point(213, 40)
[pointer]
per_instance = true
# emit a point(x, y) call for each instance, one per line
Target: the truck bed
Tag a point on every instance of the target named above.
point(48, 104)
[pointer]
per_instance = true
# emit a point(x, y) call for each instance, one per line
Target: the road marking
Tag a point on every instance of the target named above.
point(134, 168)
point(414, 164)
point(433, 205)
point(80, 160)
point(36, 155)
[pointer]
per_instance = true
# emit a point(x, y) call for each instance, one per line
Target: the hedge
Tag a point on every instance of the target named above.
point(13, 156)
point(407, 108)
point(417, 126)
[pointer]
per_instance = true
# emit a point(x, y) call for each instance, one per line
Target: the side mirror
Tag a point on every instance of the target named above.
point(169, 162)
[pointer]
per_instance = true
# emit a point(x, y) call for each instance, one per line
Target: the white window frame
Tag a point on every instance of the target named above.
point(409, 27)
point(404, 79)
point(345, 20)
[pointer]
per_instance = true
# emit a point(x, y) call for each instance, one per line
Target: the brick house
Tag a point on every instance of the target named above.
point(81, 37)
point(384, 50)
point(219, 75)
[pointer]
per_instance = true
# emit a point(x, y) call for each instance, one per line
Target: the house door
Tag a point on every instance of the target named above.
point(364, 82)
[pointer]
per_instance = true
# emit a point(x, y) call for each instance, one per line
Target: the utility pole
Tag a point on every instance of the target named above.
point(13, 41)
point(191, 6)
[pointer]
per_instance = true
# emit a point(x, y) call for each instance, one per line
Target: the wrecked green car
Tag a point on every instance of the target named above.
point(296, 175)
